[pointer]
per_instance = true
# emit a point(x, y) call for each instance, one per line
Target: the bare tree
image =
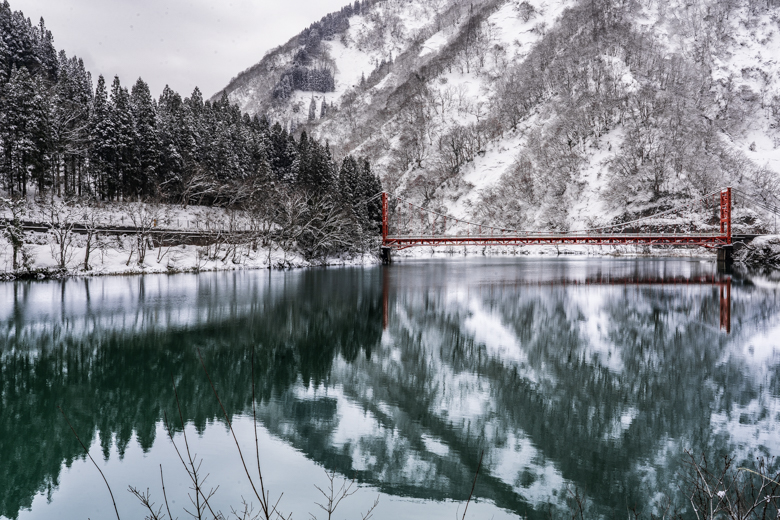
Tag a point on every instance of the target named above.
point(61, 215)
point(93, 216)
point(235, 233)
point(12, 227)
point(144, 217)
point(263, 212)
point(335, 494)
point(724, 490)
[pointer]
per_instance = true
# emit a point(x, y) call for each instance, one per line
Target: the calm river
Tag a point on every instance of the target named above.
point(588, 375)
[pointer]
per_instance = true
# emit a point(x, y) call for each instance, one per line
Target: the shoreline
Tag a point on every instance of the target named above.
point(189, 259)
point(122, 261)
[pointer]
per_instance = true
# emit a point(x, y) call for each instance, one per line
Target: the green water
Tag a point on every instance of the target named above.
point(594, 375)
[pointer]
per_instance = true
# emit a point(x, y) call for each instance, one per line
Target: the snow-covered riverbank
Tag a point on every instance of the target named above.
point(762, 253)
point(119, 260)
point(118, 257)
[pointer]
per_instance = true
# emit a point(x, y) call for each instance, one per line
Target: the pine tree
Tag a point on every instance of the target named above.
point(45, 53)
point(147, 143)
point(329, 169)
point(70, 119)
point(284, 88)
point(23, 130)
point(40, 159)
point(312, 109)
point(16, 31)
point(178, 145)
point(371, 205)
point(348, 177)
point(123, 142)
point(101, 156)
point(5, 62)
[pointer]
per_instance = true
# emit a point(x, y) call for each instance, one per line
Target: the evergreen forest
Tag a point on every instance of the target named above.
point(62, 136)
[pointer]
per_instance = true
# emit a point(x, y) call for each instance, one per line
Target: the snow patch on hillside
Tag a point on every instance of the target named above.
point(591, 209)
point(745, 66)
point(486, 170)
point(750, 69)
point(518, 35)
point(351, 64)
point(434, 44)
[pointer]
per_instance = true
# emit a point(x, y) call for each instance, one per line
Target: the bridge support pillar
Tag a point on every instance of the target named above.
point(725, 258)
point(384, 253)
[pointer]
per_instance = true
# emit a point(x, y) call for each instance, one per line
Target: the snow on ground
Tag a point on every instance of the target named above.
point(590, 207)
point(117, 255)
point(434, 44)
point(168, 216)
point(117, 259)
point(751, 65)
point(761, 253)
point(351, 64)
point(518, 35)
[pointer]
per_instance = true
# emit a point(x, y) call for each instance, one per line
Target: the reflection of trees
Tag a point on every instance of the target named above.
point(597, 425)
point(114, 383)
point(584, 418)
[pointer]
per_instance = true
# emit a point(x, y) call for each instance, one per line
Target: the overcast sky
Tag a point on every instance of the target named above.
point(182, 43)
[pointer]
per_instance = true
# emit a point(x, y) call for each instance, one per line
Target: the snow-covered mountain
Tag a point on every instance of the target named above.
point(538, 113)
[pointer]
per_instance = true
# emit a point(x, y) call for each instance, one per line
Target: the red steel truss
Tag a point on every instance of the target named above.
point(590, 238)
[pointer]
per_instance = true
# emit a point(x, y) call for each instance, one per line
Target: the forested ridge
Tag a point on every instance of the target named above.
point(553, 114)
point(63, 136)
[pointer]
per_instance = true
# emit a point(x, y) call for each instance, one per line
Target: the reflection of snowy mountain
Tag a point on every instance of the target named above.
point(562, 383)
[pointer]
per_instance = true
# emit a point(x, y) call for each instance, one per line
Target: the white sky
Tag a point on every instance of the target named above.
point(182, 43)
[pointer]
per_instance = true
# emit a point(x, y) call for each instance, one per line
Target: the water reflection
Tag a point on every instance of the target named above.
point(594, 374)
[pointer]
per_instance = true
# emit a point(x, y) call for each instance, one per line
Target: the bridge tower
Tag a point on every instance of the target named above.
point(385, 251)
point(725, 213)
point(725, 253)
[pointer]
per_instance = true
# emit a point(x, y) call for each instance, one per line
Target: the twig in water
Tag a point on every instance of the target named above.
point(333, 497)
point(93, 461)
point(760, 475)
point(146, 500)
point(192, 469)
point(268, 512)
point(165, 497)
point(266, 494)
point(474, 484)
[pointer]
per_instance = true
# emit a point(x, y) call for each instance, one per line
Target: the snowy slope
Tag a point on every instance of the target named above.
point(421, 89)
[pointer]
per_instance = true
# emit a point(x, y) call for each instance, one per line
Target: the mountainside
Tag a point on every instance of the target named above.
point(538, 114)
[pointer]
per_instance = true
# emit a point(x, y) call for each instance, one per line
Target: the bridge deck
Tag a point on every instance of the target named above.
point(711, 240)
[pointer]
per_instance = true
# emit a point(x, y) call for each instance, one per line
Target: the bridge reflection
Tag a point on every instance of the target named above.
point(722, 282)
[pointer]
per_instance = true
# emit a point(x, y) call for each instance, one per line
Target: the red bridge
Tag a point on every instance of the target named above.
point(405, 225)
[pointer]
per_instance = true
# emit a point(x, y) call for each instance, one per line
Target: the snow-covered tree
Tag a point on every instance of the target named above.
point(146, 153)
